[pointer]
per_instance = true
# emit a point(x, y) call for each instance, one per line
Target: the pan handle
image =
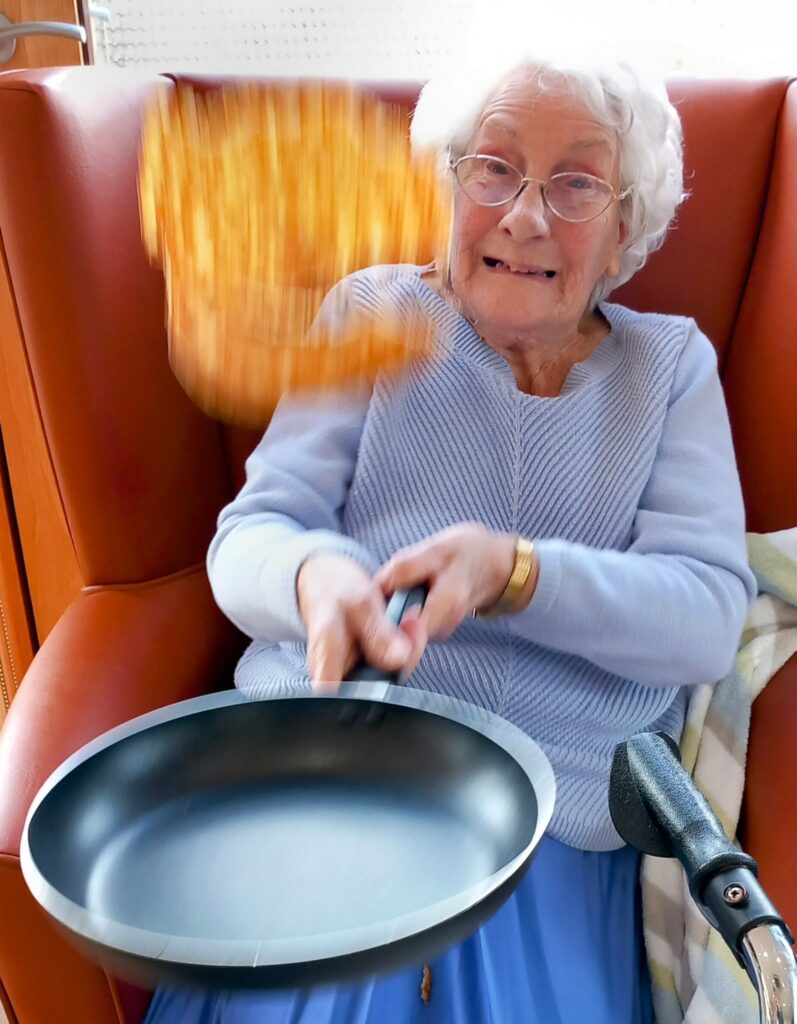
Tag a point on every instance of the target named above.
point(398, 606)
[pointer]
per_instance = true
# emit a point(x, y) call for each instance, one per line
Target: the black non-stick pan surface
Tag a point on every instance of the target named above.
point(289, 841)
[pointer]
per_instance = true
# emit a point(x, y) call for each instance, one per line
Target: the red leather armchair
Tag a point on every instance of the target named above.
point(117, 478)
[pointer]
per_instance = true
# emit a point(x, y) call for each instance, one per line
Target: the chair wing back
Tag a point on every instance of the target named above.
point(761, 369)
point(729, 262)
point(140, 471)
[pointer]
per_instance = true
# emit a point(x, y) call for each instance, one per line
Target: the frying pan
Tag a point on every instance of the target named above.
point(291, 841)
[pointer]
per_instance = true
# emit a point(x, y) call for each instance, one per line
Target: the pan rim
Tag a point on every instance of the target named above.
point(88, 925)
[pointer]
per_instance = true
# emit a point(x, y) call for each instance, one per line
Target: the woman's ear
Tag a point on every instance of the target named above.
point(613, 266)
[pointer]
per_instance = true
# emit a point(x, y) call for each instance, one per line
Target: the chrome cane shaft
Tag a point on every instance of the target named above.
point(773, 968)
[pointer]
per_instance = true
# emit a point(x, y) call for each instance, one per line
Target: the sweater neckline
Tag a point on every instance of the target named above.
point(469, 343)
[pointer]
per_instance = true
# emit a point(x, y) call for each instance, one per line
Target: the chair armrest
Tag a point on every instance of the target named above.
point(114, 654)
point(769, 813)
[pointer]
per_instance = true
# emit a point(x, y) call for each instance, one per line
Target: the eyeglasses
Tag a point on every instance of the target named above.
point(571, 196)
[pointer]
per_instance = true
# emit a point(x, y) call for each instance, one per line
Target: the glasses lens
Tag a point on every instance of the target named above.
point(577, 197)
point(487, 180)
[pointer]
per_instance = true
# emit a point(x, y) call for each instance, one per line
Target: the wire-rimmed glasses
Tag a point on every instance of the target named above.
point(572, 195)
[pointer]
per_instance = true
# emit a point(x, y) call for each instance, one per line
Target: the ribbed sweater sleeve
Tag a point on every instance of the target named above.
point(289, 509)
point(669, 610)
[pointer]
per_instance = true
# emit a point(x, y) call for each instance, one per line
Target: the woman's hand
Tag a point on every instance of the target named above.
point(465, 567)
point(343, 609)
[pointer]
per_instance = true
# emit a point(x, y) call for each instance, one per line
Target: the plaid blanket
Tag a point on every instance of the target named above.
point(695, 977)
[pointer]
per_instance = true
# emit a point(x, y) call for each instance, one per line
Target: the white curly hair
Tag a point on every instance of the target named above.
point(647, 125)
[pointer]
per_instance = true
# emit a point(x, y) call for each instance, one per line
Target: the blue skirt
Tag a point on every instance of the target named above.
point(564, 949)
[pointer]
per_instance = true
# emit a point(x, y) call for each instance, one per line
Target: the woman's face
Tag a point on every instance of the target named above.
point(518, 270)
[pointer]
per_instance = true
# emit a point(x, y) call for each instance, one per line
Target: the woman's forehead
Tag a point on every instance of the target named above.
point(520, 109)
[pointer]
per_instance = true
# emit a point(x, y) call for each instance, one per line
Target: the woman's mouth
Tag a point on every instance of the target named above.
point(523, 269)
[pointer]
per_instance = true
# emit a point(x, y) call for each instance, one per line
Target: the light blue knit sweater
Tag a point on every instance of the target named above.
point(627, 483)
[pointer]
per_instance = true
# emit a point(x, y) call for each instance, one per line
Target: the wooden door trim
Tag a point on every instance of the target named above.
point(17, 633)
point(48, 551)
point(43, 51)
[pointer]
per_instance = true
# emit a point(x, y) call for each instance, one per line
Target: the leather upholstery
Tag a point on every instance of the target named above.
point(92, 315)
point(701, 271)
point(141, 473)
point(761, 387)
point(761, 371)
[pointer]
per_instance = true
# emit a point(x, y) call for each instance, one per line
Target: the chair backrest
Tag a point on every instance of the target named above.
point(139, 474)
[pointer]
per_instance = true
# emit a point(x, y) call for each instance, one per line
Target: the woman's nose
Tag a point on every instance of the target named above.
point(528, 216)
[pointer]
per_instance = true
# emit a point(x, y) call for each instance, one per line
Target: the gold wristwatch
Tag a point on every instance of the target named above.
point(518, 578)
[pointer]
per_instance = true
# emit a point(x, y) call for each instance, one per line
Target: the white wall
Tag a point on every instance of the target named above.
point(410, 38)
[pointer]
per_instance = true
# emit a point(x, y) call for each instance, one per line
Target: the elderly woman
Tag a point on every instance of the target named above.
point(564, 467)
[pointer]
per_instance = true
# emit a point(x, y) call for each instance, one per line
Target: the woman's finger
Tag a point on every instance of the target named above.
point(381, 642)
point(448, 600)
point(414, 628)
point(409, 567)
point(447, 604)
point(330, 651)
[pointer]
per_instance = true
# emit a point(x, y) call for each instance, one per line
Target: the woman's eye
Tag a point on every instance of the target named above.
point(580, 182)
point(496, 169)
